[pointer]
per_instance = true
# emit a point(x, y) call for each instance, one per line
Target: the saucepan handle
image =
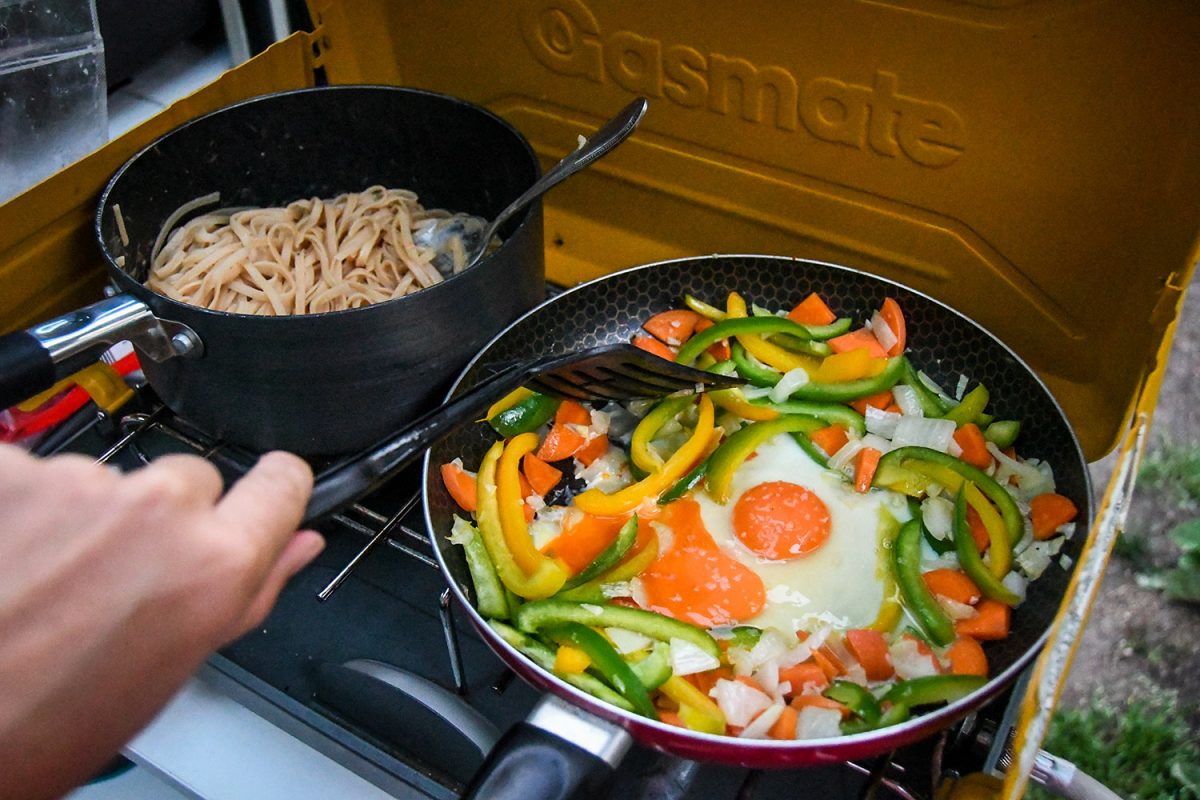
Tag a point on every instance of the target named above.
point(32, 360)
point(558, 753)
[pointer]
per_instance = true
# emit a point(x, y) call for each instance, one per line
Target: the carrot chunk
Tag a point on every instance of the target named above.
point(891, 314)
point(989, 624)
point(858, 340)
point(974, 446)
point(592, 450)
point(719, 349)
point(812, 311)
point(673, 327)
point(830, 439)
point(953, 584)
point(583, 537)
point(871, 650)
point(800, 674)
point(966, 657)
point(571, 412)
point(561, 442)
point(1048, 511)
point(785, 726)
point(881, 400)
point(460, 485)
point(654, 346)
point(541, 476)
point(865, 464)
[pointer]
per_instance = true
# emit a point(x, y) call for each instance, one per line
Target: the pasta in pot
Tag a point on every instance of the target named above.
point(310, 257)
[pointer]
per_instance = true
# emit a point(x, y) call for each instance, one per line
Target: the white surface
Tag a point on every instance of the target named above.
point(205, 744)
point(176, 74)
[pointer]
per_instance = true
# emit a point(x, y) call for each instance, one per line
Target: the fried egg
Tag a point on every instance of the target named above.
point(795, 547)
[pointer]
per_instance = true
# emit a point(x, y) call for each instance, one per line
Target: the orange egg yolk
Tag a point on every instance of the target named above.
point(781, 520)
point(694, 581)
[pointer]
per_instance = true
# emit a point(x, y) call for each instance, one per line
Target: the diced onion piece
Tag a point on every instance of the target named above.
point(762, 723)
point(792, 380)
point(756, 392)
point(845, 454)
point(938, 515)
point(882, 423)
point(961, 388)
point(909, 661)
point(601, 421)
point(883, 332)
point(462, 531)
point(1065, 561)
point(1016, 584)
point(767, 676)
point(1067, 529)
point(688, 659)
point(906, 397)
point(804, 650)
point(627, 641)
point(936, 434)
point(666, 536)
point(1034, 558)
point(738, 702)
point(770, 645)
point(547, 525)
point(814, 722)
point(933, 386)
point(954, 609)
point(637, 590)
point(617, 589)
point(1030, 480)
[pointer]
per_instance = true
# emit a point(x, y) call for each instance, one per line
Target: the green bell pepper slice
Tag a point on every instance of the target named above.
point(745, 636)
point(931, 404)
point(811, 450)
point(738, 447)
point(684, 484)
point(906, 558)
point(608, 662)
point(1003, 432)
point(811, 347)
point(737, 326)
point(1014, 523)
point(751, 368)
point(830, 413)
point(857, 699)
point(893, 715)
point(609, 557)
point(655, 669)
point(527, 415)
point(970, 407)
point(933, 689)
point(970, 560)
point(540, 613)
point(543, 656)
point(490, 594)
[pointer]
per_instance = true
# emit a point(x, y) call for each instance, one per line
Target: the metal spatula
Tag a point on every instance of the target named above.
point(609, 372)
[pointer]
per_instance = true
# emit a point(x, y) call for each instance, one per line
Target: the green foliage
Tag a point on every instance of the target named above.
point(1174, 469)
point(1142, 751)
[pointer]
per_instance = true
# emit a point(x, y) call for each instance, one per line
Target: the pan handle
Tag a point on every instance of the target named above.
point(32, 360)
point(558, 753)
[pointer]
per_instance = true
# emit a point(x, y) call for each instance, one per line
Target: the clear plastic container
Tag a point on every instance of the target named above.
point(53, 105)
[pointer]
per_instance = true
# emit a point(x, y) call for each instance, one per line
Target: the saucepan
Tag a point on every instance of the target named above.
point(573, 740)
point(321, 383)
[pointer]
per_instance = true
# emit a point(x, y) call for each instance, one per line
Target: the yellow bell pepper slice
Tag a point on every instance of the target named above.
point(594, 501)
point(768, 353)
point(734, 401)
point(570, 660)
point(852, 365)
point(639, 445)
point(549, 576)
point(890, 609)
point(1000, 553)
point(696, 710)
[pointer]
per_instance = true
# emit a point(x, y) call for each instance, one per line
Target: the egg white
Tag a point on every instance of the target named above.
point(838, 584)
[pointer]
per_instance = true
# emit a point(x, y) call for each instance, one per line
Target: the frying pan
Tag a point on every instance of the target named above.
point(316, 383)
point(572, 740)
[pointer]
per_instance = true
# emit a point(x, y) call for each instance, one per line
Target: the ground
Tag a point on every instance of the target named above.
point(1135, 636)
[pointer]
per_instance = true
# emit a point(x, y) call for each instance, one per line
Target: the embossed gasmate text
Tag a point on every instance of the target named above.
point(565, 37)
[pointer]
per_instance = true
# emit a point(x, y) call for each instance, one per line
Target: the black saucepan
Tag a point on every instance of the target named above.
point(572, 739)
point(321, 383)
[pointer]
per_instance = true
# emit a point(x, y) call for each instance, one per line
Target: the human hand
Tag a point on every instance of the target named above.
point(114, 588)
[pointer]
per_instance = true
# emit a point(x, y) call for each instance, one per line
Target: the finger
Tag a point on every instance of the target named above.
point(297, 554)
point(268, 502)
point(189, 478)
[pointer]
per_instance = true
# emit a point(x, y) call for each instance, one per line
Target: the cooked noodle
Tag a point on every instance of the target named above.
point(310, 257)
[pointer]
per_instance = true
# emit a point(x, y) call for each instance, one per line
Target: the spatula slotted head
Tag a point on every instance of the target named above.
point(622, 372)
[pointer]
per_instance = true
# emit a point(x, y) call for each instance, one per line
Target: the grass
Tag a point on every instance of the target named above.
point(1175, 469)
point(1142, 750)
